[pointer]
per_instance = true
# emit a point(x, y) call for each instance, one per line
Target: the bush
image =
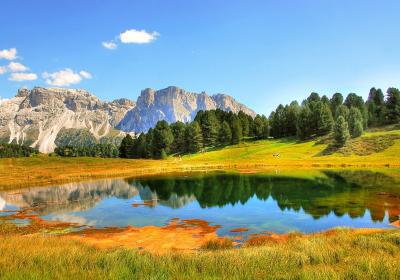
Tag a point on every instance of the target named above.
point(16, 150)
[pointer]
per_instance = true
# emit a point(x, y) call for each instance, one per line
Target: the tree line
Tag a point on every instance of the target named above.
point(316, 116)
point(344, 118)
point(103, 150)
point(16, 150)
point(209, 129)
point(349, 117)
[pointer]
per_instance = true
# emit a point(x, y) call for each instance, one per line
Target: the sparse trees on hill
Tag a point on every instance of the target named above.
point(393, 106)
point(355, 122)
point(342, 110)
point(376, 107)
point(341, 132)
point(335, 102)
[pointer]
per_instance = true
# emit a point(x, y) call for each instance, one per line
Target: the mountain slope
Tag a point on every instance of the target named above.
point(39, 116)
point(36, 117)
point(174, 104)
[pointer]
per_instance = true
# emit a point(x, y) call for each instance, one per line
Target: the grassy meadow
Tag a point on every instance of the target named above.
point(336, 254)
point(375, 149)
point(344, 254)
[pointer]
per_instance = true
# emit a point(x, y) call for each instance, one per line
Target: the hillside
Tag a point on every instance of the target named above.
point(374, 147)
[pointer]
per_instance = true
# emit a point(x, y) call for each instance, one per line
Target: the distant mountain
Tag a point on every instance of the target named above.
point(35, 117)
point(45, 117)
point(174, 104)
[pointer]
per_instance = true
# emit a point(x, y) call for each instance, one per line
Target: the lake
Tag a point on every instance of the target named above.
point(258, 202)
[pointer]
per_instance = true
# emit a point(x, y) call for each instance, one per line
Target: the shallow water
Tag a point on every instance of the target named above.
point(258, 202)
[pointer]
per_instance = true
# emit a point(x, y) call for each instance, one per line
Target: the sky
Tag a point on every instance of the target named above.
point(263, 53)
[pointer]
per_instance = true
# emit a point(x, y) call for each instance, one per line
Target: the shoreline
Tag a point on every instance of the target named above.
point(44, 171)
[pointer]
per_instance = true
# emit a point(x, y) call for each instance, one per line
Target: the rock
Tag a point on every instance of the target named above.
point(36, 117)
point(174, 104)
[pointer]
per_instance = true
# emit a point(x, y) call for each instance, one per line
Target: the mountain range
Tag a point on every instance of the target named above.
point(38, 117)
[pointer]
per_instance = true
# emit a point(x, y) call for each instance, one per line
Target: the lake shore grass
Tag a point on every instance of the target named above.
point(245, 157)
point(338, 254)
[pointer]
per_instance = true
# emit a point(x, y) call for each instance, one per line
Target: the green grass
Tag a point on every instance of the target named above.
point(344, 255)
point(375, 149)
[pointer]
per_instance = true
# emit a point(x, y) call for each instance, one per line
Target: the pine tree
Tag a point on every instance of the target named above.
point(355, 118)
point(335, 102)
point(162, 138)
point(393, 106)
point(324, 119)
point(353, 100)
point(304, 123)
point(341, 132)
point(375, 106)
point(314, 97)
point(358, 129)
point(149, 143)
point(209, 127)
point(236, 129)
point(244, 121)
point(258, 127)
point(178, 131)
point(225, 135)
point(193, 137)
point(343, 111)
point(126, 147)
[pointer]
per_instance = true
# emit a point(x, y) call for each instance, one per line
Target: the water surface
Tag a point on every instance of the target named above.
point(259, 202)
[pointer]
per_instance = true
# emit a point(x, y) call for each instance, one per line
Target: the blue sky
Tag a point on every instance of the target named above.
point(261, 52)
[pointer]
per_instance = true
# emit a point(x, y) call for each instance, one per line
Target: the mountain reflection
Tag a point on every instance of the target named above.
point(348, 192)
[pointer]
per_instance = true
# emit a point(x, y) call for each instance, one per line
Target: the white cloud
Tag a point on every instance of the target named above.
point(134, 36)
point(17, 67)
point(65, 77)
point(109, 45)
point(85, 74)
point(9, 54)
point(3, 69)
point(19, 77)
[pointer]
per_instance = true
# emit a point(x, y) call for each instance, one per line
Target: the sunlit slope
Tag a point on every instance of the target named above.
point(372, 147)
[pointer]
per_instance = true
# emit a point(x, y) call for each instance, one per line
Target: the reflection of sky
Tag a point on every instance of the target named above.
point(257, 215)
point(2, 204)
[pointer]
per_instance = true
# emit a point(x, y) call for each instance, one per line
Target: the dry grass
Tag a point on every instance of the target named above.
point(217, 244)
point(343, 255)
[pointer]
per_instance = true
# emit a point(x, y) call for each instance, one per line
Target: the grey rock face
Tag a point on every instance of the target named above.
point(174, 104)
point(35, 117)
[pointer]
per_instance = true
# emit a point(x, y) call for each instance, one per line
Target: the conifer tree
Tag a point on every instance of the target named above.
point(162, 139)
point(193, 137)
point(225, 135)
point(355, 118)
point(393, 106)
point(236, 129)
point(341, 131)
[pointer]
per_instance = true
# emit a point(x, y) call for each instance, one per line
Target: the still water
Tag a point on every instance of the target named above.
point(258, 202)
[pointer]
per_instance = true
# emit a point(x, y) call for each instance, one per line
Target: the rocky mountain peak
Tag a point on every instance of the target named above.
point(36, 117)
point(174, 104)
